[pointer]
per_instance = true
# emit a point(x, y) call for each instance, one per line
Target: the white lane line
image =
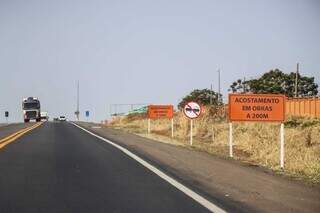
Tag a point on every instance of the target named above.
point(204, 202)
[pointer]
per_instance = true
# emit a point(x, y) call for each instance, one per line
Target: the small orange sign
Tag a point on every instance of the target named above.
point(257, 107)
point(160, 111)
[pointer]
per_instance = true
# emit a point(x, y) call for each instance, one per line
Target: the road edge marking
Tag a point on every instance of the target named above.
point(195, 196)
point(9, 139)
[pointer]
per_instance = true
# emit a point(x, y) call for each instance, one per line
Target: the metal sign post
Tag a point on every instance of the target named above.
point(230, 140)
point(87, 115)
point(149, 125)
point(192, 110)
point(6, 114)
point(282, 146)
point(172, 127)
point(191, 132)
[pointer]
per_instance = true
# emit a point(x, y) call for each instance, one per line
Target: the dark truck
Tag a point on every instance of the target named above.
point(31, 109)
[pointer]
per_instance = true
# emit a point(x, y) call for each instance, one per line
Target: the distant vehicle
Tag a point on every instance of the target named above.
point(44, 116)
point(62, 118)
point(56, 119)
point(31, 109)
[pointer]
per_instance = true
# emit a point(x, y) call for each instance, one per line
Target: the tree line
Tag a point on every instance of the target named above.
point(272, 82)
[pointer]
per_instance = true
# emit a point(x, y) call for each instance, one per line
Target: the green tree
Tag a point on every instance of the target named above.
point(239, 86)
point(277, 82)
point(202, 97)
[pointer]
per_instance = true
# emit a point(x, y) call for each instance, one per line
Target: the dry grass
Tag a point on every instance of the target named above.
point(256, 143)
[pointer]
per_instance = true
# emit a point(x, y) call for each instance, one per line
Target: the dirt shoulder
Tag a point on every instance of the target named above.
point(235, 186)
point(6, 130)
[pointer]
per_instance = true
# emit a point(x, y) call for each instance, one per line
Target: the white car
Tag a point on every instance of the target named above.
point(44, 116)
point(62, 118)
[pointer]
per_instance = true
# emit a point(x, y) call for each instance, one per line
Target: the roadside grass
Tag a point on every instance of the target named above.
point(254, 143)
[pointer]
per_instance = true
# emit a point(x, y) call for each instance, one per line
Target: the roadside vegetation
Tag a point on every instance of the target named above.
point(255, 143)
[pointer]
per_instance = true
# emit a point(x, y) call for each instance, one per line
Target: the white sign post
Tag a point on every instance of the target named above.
point(172, 127)
point(230, 140)
point(149, 125)
point(191, 131)
point(282, 146)
point(192, 110)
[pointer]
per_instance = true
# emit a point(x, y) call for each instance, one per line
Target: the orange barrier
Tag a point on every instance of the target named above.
point(303, 107)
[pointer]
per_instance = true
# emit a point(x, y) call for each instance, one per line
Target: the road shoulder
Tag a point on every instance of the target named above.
point(223, 181)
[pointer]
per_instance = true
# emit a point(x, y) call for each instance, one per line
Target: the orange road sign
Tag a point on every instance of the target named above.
point(257, 107)
point(160, 111)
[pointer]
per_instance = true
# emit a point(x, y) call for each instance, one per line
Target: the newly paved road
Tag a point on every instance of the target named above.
point(60, 168)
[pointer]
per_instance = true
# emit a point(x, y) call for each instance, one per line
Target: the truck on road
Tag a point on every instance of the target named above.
point(31, 109)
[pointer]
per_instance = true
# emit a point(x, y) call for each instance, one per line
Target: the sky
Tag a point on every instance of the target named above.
point(145, 51)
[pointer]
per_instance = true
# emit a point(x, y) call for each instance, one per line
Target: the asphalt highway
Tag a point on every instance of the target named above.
point(58, 167)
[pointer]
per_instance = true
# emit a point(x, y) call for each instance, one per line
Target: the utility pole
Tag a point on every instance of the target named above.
point(219, 90)
point(296, 82)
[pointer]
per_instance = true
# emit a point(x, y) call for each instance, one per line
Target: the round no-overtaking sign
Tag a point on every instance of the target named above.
point(192, 110)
